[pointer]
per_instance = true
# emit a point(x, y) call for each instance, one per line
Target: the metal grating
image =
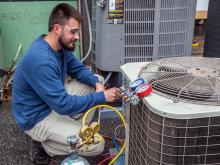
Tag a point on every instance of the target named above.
point(191, 79)
point(164, 28)
point(139, 30)
point(174, 14)
point(140, 4)
point(174, 3)
point(156, 140)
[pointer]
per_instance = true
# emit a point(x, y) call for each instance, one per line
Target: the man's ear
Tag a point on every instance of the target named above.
point(57, 29)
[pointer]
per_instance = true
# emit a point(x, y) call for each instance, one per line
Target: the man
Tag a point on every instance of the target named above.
point(41, 105)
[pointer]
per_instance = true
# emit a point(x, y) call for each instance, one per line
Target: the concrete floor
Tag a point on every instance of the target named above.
point(14, 149)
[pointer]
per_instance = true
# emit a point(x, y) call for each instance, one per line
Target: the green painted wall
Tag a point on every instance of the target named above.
point(21, 23)
point(1, 52)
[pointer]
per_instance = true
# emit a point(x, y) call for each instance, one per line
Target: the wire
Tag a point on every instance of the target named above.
point(110, 138)
point(90, 32)
point(103, 161)
point(115, 144)
point(117, 147)
point(115, 134)
point(122, 118)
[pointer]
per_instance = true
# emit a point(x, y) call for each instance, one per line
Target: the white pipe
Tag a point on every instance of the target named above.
point(107, 78)
point(18, 51)
point(90, 32)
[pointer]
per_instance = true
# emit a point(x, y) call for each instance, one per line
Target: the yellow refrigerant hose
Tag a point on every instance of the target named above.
point(122, 118)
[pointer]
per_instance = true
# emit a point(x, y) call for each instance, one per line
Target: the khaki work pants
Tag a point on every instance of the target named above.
point(53, 131)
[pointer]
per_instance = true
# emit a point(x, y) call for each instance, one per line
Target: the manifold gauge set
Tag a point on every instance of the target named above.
point(136, 90)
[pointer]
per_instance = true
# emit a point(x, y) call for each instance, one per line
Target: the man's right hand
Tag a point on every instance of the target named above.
point(112, 94)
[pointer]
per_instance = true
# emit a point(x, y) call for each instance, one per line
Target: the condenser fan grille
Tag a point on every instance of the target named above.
point(192, 79)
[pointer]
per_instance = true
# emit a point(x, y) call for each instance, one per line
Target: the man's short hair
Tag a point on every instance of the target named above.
point(61, 13)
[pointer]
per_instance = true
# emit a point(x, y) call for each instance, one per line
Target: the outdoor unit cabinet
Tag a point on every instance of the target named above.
point(179, 123)
point(141, 30)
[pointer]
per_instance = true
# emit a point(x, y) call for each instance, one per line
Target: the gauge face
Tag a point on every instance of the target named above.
point(137, 82)
point(142, 88)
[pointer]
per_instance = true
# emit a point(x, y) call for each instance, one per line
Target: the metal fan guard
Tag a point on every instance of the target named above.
point(191, 79)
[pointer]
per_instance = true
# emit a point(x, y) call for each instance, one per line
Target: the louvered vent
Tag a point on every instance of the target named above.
point(158, 29)
point(157, 140)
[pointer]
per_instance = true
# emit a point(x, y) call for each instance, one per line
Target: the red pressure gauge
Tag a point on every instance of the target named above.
point(144, 90)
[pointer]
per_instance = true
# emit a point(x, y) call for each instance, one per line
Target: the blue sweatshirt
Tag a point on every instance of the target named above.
point(38, 85)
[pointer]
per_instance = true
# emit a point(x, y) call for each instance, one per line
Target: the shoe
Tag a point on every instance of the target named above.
point(37, 153)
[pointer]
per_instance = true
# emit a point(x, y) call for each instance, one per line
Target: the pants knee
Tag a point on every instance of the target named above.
point(93, 150)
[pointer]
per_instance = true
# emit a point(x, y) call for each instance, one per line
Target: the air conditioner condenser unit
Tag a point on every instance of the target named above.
point(179, 123)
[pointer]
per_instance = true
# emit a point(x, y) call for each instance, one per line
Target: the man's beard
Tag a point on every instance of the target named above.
point(65, 45)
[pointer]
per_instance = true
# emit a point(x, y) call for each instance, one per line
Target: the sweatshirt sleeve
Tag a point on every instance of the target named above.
point(78, 71)
point(45, 81)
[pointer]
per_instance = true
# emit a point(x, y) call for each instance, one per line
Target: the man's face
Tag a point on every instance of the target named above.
point(69, 35)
